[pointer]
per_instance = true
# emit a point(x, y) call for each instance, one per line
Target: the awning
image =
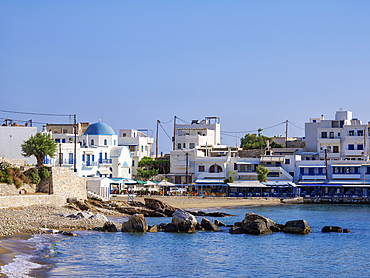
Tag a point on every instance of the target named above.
point(248, 163)
point(88, 152)
point(311, 166)
point(247, 184)
point(140, 182)
point(345, 165)
point(279, 183)
point(210, 181)
point(104, 171)
point(272, 159)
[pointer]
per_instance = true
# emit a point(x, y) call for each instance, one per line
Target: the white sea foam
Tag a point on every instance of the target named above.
point(25, 252)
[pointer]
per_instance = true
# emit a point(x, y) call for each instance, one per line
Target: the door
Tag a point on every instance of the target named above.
point(60, 158)
point(70, 158)
point(100, 157)
point(87, 160)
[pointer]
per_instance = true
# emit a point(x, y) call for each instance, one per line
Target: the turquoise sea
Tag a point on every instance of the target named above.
point(207, 254)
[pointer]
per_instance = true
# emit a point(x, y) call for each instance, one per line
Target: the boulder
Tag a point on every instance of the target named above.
point(169, 228)
point(250, 217)
point(297, 227)
point(109, 227)
point(184, 221)
point(237, 224)
point(256, 227)
point(220, 224)
point(159, 206)
point(153, 229)
point(135, 223)
point(69, 234)
point(346, 231)
point(236, 230)
point(208, 225)
point(198, 227)
point(140, 210)
point(331, 229)
point(98, 216)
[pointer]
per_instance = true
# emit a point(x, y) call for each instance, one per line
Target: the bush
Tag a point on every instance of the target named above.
point(33, 174)
point(44, 172)
point(17, 172)
point(7, 180)
point(18, 183)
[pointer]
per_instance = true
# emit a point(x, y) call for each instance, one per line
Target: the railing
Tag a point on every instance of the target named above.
point(89, 164)
point(105, 161)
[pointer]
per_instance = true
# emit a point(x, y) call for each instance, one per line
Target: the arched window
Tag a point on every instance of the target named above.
point(215, 169)
point(105, 142)
point(92, 142)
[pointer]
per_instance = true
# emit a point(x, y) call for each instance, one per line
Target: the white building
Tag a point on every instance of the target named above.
point(140, 145)
point(11, 139)
point(98, 153)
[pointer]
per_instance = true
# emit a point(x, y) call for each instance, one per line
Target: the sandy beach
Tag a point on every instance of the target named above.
point(209, 202)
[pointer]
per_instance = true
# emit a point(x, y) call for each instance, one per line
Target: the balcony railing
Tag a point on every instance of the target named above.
point(89, 163)
point(105, 161)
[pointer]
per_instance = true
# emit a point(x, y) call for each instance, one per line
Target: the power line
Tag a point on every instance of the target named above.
point(296, 126)
point(39, 114)
point(255, 129)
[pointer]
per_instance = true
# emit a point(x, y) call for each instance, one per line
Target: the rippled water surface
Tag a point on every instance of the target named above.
point(205, 254)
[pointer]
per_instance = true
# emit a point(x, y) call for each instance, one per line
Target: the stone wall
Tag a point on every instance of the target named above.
point(7, 189)
point(30, 200)
point(251, 153)
point(67, 183)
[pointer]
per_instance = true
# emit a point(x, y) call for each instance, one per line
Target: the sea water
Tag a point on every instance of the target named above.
point(219, 254)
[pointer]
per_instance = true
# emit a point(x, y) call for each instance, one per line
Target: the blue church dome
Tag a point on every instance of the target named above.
point(99, 128)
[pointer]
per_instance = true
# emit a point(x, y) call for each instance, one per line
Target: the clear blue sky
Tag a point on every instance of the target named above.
point(252, 63)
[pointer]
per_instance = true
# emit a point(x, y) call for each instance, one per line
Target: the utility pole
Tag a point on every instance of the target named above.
point(75, 149)
point(286, 133)
point(156, 142)
point(326, 164)
point(187, 167)
point(60, 154)
point(174, 134)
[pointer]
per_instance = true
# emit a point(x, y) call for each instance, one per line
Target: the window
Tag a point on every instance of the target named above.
point(351, 133)
point(201, 168)
point(100, 158)
point(114, 142)
point(105, 142)
point(142, 148)
point(301, 171)
point(277, 164)
point(324, 134)
point(339, 134)
point(360, 133)
point(123, 134)
point(320, 171)
point(335, 149)
point(356, 170)
point(57, 140)
point(92, 157)
point(311, 171)
point(184, 145)
point(83, 157)
point(63, 140)
point(129, 170)
point(92, 141)
point(368, 170)
point(178, 146)
point(192, 145)
point(273, 174)
point(133, 163)
point(105, 156)
point(331, 135)
point(351, 147)
point(360, 147)
point(235, 167)
point(287, 161)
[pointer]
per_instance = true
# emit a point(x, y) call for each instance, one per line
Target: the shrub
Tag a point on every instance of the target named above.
point(7, 180)
point(4, 165)
point(17, 183)
point(33, 174)
point(17, 172)
point(44, 172)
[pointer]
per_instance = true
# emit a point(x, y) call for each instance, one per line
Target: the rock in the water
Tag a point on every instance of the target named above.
point(110, 227)
point(140, 210)
point(220, 224)
point(98, 216)
point(297, 227)
point(237, 224)
point(184, 221)
point(153, 229)
point(69, 234)
point(346, 231)
point(136, 223)
point(256, 227)
point(159, 206)
point(250, 217)
point(198, 227)
point(208, 225)
point(236, 230)
point(331, 229)
point(170, 228)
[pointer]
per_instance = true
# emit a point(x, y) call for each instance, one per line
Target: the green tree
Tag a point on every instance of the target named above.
point(257, 141)
point(230, 177)
point(145, 161)
point(39, 146)
point(262, 173)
